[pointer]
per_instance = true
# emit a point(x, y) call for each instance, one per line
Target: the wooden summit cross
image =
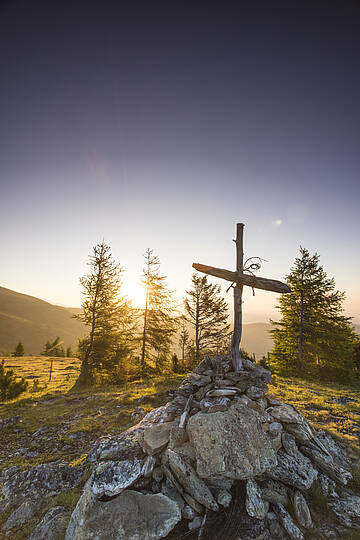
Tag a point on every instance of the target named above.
point(239, 278)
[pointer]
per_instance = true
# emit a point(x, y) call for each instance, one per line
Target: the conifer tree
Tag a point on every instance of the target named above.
point(53, 348)
point(19, 350)
point(207, 312)
point(159, 316)
point(313, 332)
point(109, 316)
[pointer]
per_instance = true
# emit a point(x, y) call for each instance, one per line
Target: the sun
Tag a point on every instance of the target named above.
point(135, 292)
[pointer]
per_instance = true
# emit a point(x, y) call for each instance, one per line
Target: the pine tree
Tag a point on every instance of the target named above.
point(159, 316)
point(313, 332)
point(207, 311)
point(19, 350)
point(53, 348)
point(109, 316)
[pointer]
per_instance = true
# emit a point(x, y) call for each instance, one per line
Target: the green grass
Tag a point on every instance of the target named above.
point(314, 400)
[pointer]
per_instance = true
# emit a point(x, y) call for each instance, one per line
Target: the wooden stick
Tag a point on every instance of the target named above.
point(201, 530)
point(238, 289)
point(255, 282)
point(185, 413)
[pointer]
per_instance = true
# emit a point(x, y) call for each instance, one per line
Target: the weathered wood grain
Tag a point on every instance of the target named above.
point(255, 282)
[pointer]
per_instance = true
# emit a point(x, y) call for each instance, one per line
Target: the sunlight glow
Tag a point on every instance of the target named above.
point(135, 292)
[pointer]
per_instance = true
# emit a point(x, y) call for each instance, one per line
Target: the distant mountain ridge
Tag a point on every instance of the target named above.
point(34, 321)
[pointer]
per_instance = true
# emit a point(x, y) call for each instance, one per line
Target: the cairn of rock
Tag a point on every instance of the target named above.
point(222, 459)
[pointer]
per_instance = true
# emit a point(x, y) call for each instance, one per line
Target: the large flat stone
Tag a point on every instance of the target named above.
point(230, 444)
point(130, 516)
point(155, 438)
point(112, 477)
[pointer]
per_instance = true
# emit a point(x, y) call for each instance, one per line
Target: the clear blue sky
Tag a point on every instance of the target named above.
point(163, 124)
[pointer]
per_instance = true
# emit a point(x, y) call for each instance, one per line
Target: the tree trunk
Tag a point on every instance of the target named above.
point(143, 350)
point(197, 343)
point(301, 333)
point(238, 290)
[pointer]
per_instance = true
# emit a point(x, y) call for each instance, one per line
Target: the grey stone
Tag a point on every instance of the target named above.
point(276, 442)
point(255, 506)
point(285, 413)
point(302, 511)
point(188, 512)
point(327, 486)
point(186, 451)
point(230, 444)
point(275, 428)
point(193, 503)
point(257, 370)
point(256, 392)
point(148, 466)
point(347, 509)
point(276, 530)
point(21, 515)
point(294, 471)
point(326, 464)
point(155, 438)
point(224, 498)
point(138, 413)
point(130, 516)
point(112, 477)
point(287, 522)
point(38, 482)
point(212, 405)
point(158, 474)
point(52, 526)
point(289, 444)
point(124, 446)
point(195, 523)
point(173, 494)
point(190, 481)
point(275, 492)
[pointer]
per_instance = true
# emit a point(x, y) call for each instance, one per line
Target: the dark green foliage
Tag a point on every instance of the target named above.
point(110, 318)
point(207, 312)
point(68, 353)
point(313, 334)
point(53, 348)
point(160, 320)
point(19, 350)
point(10, 385)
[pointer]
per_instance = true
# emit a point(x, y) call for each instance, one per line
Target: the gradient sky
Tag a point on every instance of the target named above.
point(163, 124)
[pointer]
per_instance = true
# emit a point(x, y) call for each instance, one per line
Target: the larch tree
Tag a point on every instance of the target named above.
point(159, 318)
point(313, 332)
point(207, 311)
point(108, 315)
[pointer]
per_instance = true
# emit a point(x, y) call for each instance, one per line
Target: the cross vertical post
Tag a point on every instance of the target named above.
point(238, 290)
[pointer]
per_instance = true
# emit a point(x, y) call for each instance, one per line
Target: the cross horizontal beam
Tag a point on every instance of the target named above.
point(245, 279)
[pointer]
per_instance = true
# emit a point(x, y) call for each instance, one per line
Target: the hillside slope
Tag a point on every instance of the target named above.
point(257, 339)
point(33, 321)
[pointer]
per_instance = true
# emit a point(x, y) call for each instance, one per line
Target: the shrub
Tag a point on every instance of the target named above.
point(10, 385)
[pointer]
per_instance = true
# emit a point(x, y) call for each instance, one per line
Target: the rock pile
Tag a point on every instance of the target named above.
point(222, 460)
